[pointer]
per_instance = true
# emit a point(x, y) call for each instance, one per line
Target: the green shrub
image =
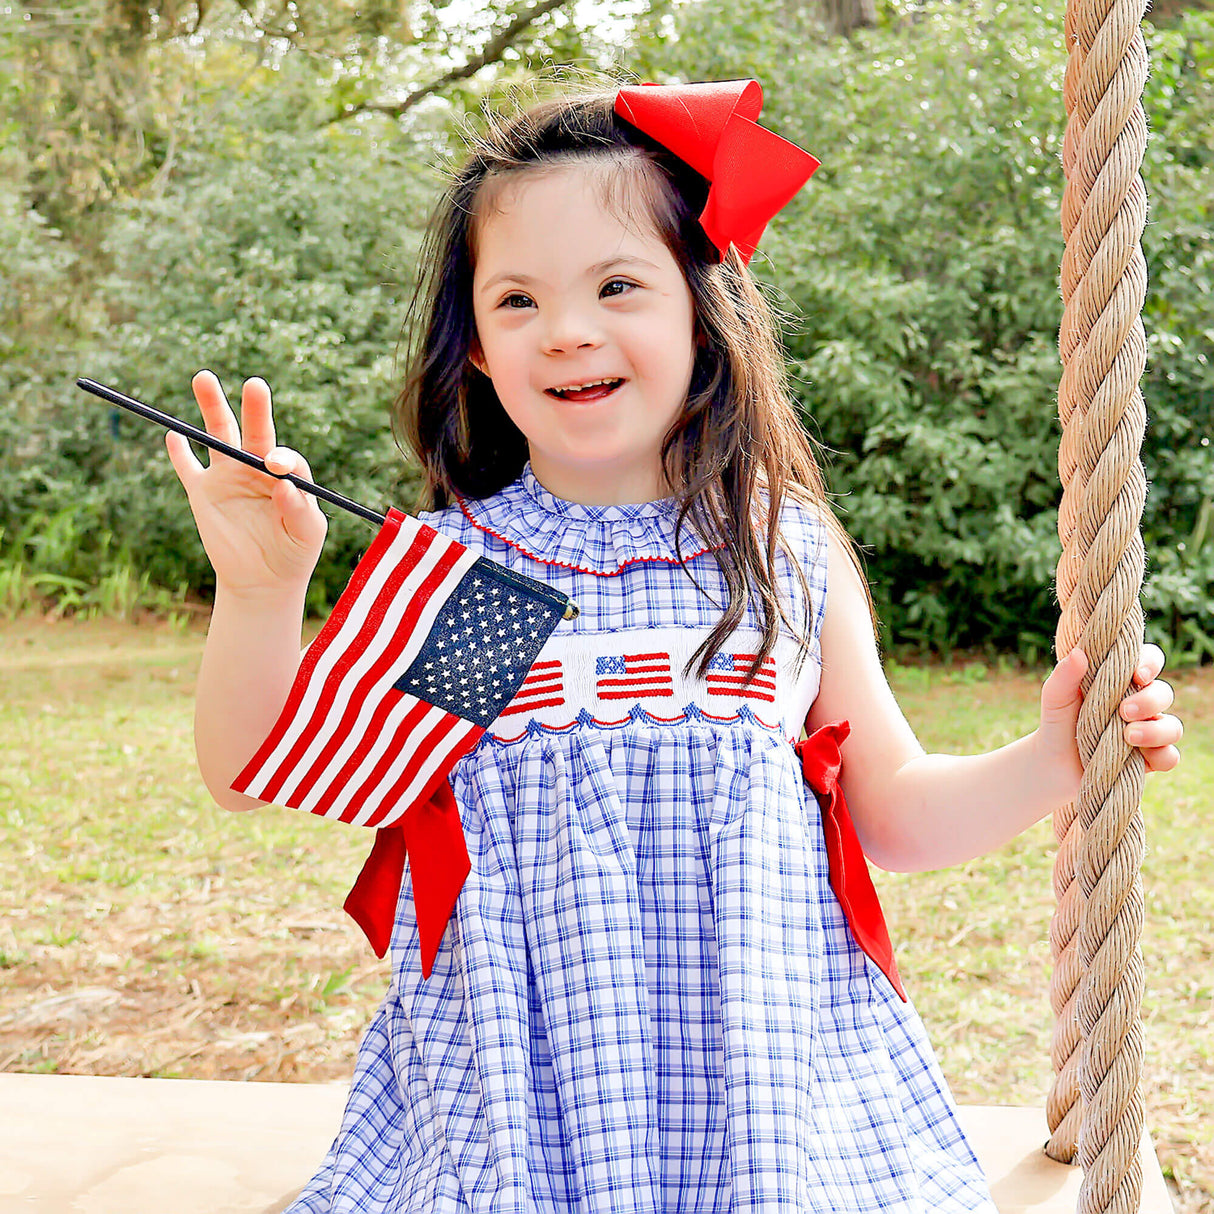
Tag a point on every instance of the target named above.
point(920, 267)
point(924, 262)
point(281, 256)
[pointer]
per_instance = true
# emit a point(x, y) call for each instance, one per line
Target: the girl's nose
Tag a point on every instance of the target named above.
point(570, 329)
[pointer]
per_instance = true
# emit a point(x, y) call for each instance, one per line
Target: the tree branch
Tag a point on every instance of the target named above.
point(491, 52)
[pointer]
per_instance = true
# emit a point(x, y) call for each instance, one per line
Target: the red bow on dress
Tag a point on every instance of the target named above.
point(752, 172)
point(433, 839)
point(432, 836)
point(821, 762)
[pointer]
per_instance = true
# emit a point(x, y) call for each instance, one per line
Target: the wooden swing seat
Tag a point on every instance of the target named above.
point(78, 1144)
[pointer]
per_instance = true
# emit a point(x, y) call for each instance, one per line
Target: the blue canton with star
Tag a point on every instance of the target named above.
point(481, 646)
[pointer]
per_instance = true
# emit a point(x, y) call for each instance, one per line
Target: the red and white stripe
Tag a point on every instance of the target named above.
point(542, 688)
point(347, 744)
point(645, 674)
point(737, 683)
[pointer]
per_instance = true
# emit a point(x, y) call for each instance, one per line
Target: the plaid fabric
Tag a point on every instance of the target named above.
point(648, 999)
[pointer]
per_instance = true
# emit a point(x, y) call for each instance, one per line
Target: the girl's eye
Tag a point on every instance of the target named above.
point(616, 286)
point(516, 299)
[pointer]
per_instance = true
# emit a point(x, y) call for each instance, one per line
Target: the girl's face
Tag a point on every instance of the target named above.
point(585, 325)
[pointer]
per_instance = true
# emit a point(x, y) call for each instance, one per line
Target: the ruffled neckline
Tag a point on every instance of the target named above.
point(592, 539)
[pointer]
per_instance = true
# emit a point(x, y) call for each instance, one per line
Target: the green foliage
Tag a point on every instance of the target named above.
point(252, 234)
point(292, 264)
point(279, 256)
point(918, 270)
point(921, 270)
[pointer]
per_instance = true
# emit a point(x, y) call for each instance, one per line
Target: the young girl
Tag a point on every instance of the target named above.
point(649, 997)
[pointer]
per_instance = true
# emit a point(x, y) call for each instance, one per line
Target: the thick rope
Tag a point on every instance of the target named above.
point(1064, 1105)
point(1104, 354)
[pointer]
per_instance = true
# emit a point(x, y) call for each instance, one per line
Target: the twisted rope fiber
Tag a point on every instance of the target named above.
point(1104, 352)
point(1064, 1104)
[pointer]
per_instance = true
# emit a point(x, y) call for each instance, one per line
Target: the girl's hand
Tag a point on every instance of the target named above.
point(1154, 731)
point(260, 534)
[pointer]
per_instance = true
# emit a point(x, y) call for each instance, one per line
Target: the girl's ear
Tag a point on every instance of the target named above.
point(476, 356)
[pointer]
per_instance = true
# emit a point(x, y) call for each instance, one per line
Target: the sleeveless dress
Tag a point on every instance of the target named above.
point(647, 999)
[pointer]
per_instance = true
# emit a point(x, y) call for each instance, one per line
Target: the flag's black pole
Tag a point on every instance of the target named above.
point(244, 457)
point(253, 461)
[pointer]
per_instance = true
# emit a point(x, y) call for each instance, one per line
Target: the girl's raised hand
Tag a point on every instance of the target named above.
point(262, 535)
point(1149, 725)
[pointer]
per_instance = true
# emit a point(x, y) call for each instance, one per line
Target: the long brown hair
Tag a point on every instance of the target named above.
point(737, 451)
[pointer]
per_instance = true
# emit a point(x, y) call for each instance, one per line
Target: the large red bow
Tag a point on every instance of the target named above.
point(821, 763)
point(753, 173)
point(433, 839)
point(432, 836)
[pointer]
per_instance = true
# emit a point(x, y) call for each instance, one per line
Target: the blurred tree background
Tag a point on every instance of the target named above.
point(243, 184)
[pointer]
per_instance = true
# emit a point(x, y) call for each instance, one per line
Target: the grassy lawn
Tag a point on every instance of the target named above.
point(145, 932)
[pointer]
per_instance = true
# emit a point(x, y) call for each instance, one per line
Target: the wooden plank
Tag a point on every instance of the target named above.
point(77, 1144)
point(1024, 1180)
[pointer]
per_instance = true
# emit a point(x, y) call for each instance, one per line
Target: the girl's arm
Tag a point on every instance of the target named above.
point(263, 538)
point(916, 811)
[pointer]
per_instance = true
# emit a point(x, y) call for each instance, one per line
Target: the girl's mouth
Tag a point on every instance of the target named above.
point(596, 389)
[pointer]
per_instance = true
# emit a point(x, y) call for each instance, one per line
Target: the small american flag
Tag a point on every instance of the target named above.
point(424, 648)
point(542, 688)
point(728, 675)
point(633, 676)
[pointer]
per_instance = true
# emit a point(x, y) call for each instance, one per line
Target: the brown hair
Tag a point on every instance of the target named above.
point(738, 443)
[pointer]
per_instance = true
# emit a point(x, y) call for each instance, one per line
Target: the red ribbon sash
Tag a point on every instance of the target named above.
point(821, 763)
point(432, 836)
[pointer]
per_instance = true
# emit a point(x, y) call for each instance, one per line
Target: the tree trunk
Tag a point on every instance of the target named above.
point(844, 16)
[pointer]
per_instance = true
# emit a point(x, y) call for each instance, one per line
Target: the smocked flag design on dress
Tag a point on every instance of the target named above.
point(542, 688)
point(424, 648)
point(633, 676)
point(729, 675)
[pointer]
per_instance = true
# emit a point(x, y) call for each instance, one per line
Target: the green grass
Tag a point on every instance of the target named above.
point(972, 941)
point(144, 931)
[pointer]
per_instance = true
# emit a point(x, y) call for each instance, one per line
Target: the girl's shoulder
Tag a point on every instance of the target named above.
point(453, 522)
point(804, 526)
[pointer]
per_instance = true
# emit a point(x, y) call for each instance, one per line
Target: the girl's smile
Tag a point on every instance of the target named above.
point(598, 389)
point(585, 325)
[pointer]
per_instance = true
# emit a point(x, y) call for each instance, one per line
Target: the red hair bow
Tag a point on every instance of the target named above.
point(752, 172)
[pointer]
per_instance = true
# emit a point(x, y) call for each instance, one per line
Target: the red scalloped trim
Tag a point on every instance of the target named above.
point(636, 560)
point(497, 737)
point(570, 725)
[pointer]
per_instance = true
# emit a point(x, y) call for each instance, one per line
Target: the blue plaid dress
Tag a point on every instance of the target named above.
point(647, 999)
